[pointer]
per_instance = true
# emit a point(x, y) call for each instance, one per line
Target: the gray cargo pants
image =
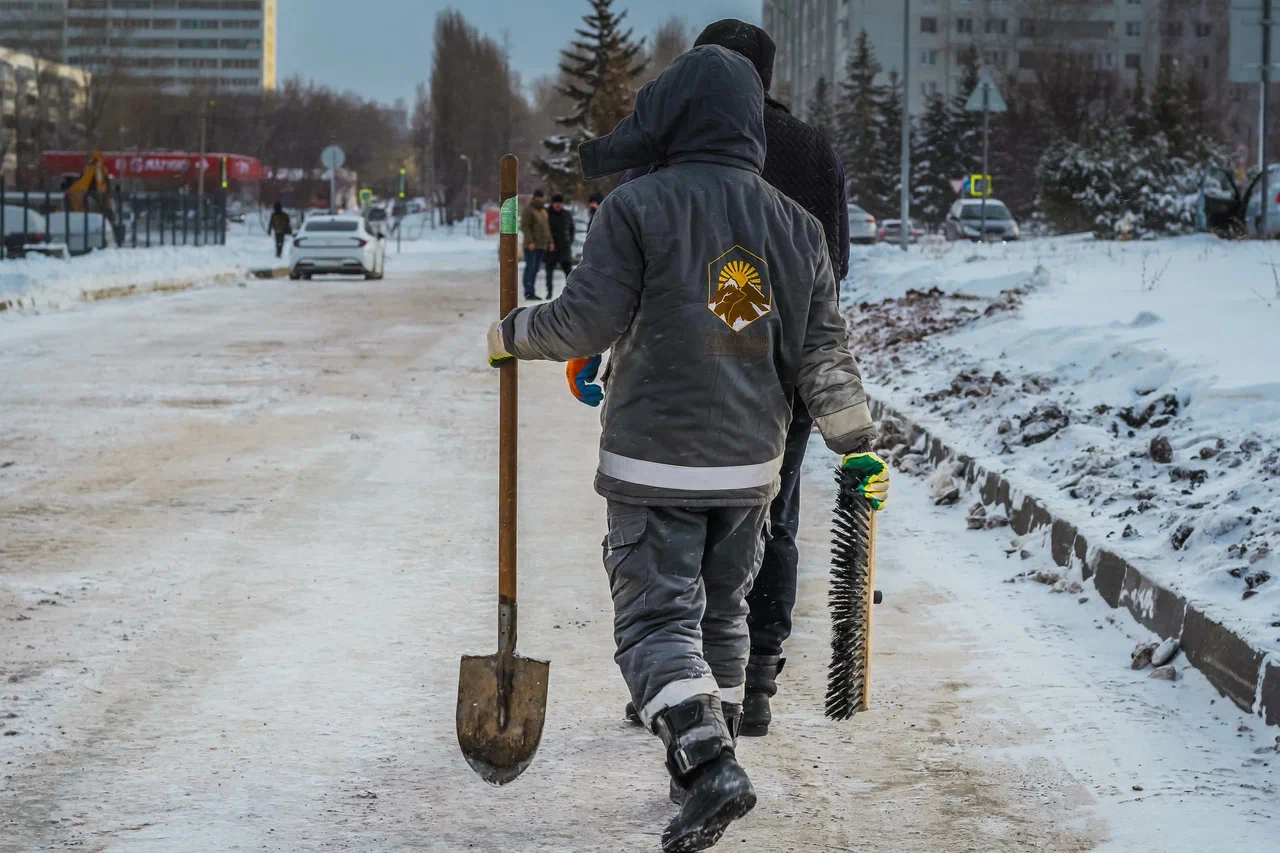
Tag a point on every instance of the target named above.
point(680, 578)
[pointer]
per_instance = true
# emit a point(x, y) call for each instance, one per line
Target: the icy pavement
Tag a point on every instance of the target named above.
point(39, 283)
point(1133, 387)
point(245, 535)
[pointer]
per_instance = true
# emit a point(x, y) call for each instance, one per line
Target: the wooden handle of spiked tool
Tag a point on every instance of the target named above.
point(508, 400)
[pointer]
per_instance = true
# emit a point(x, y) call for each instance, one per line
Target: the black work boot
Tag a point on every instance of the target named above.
point(633, 716)
point(732, 719)
point(700, 758)
point(762, 685)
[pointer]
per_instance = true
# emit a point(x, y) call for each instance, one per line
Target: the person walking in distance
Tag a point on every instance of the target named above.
point(537, 240)
point(716, 296)
point(560, 254)
point(593, 204)
point(280, 226)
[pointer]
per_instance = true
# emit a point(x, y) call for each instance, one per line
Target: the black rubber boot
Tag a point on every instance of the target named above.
point(633, 716)
point(762, 685)
point(700, 758)
point(732, 719)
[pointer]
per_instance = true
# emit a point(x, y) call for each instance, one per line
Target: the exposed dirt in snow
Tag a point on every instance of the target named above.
point(248, 533)
point(1123, 433)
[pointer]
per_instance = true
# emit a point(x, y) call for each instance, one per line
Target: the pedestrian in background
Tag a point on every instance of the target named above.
point(593, 204)
point(537, 240)
point(560, 254)
point(279, 225)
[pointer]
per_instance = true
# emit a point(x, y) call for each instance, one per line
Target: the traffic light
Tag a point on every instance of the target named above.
point(222, 171)
point(400, 188)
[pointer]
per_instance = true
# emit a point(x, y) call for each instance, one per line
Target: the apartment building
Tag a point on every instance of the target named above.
point(40, 101)
point(1012, 38)
point(179, 44)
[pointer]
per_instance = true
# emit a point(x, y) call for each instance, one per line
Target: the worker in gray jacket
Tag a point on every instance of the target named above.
point(716, 295)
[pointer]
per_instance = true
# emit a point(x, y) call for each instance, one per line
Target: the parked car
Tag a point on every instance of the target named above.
point(891, 230)
point(20, 227)
point(377, 220)
point(79, 238)
point(337, 243)
point(862, 226)
point(964, 221)
point(1253, 204)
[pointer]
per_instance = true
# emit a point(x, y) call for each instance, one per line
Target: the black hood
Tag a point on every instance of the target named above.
point(746, 39)
point(708, 105)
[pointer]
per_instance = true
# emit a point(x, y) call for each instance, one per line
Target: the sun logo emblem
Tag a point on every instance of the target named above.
point(739, 293)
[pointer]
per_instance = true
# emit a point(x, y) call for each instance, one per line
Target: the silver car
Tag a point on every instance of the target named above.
point(965, 221)
point(862, 226)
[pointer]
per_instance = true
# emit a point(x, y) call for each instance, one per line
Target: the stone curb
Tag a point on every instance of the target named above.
point(270, 272)
point(1240, 672)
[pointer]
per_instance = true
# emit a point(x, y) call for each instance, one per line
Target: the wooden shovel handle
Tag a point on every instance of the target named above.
point(508, 399)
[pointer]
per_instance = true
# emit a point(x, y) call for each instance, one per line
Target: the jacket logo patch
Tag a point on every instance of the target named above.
point(738, 289)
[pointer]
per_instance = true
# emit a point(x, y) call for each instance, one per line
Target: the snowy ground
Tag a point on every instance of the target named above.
point(39, 283)
point(245, 535)
point(1133, 386)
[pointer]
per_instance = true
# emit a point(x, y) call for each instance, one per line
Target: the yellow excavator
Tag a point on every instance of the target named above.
point(95, 181)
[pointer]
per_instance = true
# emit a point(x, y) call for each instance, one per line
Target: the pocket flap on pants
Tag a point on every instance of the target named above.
point(625, 529)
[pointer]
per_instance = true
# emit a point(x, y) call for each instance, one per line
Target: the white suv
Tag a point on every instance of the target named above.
point(337, 243)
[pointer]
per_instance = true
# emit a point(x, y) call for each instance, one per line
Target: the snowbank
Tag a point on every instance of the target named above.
point(49, 283)
point(1133, 386)
point(44, 283)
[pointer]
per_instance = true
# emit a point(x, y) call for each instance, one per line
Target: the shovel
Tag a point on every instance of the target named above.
point(502, 698)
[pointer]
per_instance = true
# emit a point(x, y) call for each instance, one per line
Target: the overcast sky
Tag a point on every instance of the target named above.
point(382, 48)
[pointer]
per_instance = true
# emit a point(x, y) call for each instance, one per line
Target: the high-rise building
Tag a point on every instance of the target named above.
point(40, 102)
point(227, 44)
point(1013, 39)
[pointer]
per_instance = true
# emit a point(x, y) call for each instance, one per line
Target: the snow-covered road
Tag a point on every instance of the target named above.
point(246, 533)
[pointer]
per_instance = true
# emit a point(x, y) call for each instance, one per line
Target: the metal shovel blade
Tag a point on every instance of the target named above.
point(502, 704)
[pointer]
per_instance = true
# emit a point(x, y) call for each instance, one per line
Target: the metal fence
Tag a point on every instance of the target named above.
point(42, 221)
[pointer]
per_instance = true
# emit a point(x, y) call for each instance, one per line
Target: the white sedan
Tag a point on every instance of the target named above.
point(337, 243)
point(862, 226)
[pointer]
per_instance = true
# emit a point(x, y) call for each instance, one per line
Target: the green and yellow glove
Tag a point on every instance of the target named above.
point(498, 354)
point(873, 476)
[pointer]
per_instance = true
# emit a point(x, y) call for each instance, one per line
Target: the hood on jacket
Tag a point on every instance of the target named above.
point(746, 39)
point(708, 105)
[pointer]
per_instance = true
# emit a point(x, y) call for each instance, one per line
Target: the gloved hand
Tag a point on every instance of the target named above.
point(498, 354)
point(581, 373)
point(873, 477)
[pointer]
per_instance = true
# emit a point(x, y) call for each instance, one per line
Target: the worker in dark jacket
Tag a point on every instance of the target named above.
point(803, 166)
point(718, 300)
point(280, 226)
point(560, 255)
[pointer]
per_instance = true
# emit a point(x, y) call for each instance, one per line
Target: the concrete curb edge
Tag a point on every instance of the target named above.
point(1246, 675)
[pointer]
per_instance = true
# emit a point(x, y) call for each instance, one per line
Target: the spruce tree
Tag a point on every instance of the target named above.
point(600, 67)
point(932, 166)
point(856, 119)
point(886, 181)
point(821, 110)
point(1140, 121)
point(966, 153)
point(1168, 112)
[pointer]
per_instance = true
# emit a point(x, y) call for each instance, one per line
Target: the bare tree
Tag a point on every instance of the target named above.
point(672, 38)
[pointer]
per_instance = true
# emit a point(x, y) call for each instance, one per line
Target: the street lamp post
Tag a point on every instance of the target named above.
point(904, 229)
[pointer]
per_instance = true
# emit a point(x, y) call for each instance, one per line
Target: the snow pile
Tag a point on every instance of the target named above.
point(1131, 386)
point(48, 283)
point(43, 283)
point(444, 248)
